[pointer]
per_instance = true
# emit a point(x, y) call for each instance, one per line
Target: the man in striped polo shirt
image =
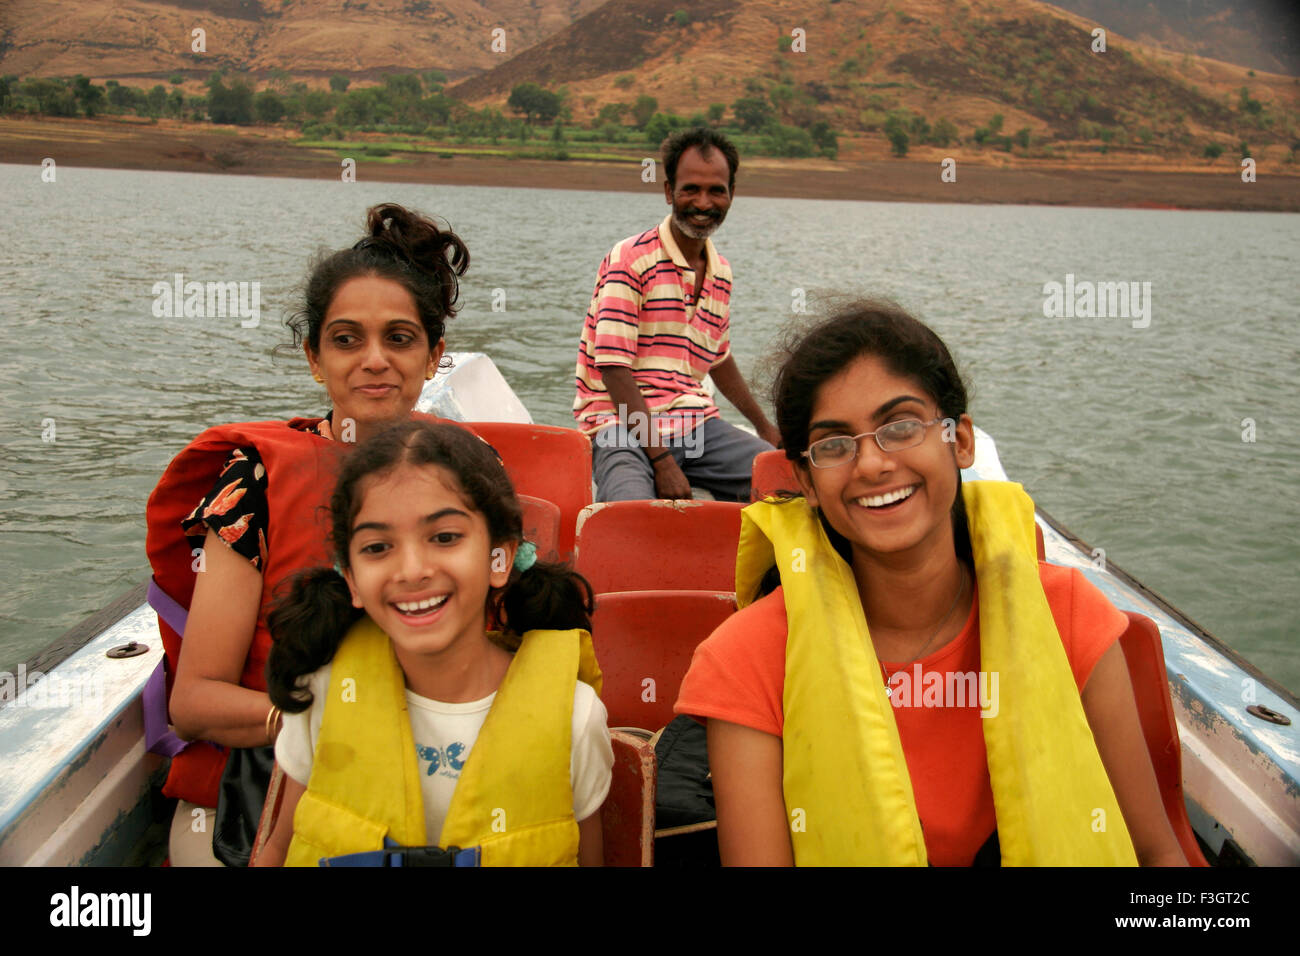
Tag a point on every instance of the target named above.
point(657, 324)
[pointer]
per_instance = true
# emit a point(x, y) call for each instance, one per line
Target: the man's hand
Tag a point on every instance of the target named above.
point(670, 481)
point(770, 434)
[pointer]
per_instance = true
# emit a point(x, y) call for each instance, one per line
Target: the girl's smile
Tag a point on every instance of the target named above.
point(420, 612)
point(890, 499)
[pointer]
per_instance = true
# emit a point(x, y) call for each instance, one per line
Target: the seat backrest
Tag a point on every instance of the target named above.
point(1146, 670)
point(541, 526)
point(545, 462)
point(640, 545)
point(627, 817)
point(644, 641)
point(773, 473)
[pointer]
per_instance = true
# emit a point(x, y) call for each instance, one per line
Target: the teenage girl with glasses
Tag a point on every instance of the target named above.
point(919, 689)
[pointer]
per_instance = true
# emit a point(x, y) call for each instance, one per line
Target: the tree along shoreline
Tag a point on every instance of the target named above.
point(201, 148)
point(772, 119)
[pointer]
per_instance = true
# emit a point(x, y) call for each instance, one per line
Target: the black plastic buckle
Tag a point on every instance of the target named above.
point(424, 856)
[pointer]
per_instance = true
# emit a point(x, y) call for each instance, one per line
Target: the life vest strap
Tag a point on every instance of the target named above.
point(159, 738)
point(168, 608)
point(394, 854)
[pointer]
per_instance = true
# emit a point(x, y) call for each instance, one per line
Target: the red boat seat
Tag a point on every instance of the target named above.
point(1146, 670)
point(541, 526)
point(640, 545)
point(644, 642)
point(628, 815)
point(545, 462)
point(773, 474)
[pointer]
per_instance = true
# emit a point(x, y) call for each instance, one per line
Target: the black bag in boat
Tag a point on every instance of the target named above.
point(683, 789)
point(684, 797)
point(244, 783)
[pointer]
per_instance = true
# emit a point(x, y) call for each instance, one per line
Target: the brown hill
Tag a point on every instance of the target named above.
point(966, 62)
point(614, 40)
point(138, 39)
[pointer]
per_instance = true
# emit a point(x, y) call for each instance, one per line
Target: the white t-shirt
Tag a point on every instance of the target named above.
point(444, 735)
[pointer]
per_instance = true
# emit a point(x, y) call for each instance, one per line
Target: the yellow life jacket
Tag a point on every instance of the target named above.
point(845, 780)
point(514, 798)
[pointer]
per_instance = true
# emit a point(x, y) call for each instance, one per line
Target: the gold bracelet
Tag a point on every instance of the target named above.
point(272, 719)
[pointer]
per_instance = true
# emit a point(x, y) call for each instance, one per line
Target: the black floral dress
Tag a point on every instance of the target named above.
point(236, 508)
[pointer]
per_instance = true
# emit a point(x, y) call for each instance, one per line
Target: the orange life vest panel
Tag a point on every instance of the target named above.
point(301, 468)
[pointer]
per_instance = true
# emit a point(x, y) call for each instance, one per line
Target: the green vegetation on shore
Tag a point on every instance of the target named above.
point(1076, 101)
point(414, 105)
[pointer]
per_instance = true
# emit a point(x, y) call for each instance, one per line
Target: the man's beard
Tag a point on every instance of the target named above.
point(692, 230)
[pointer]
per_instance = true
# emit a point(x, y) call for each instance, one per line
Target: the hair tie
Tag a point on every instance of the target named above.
point(526, 556)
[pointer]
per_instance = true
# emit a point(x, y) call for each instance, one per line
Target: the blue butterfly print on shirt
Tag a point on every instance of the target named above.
point(450, 757)
point(432, 754)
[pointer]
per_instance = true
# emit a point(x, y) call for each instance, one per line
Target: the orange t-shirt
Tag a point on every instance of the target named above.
point(738, 675)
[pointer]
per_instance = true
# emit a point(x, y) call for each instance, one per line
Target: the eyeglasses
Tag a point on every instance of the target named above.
point(896, 436)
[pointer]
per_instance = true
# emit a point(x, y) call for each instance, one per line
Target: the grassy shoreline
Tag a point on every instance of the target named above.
point(1110, 181)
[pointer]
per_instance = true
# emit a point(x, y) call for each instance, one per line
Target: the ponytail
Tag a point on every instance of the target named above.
point(307, 625)
point(546, 596)
point(439, 255)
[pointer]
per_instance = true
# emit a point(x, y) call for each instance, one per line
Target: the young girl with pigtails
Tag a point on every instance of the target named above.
point(412, 734)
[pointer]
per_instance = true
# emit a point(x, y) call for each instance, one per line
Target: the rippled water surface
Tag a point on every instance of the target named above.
point(1132, 437)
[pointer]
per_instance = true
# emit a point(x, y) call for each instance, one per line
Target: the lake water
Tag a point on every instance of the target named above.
point(1173, 446)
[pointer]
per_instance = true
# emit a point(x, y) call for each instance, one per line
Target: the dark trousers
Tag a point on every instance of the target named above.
point(715, 456)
